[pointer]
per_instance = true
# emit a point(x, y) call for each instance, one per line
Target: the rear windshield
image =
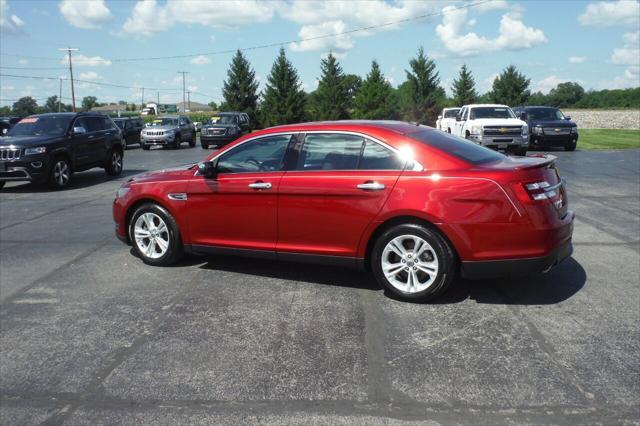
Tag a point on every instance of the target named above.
point(460, 148)
point(451, 113)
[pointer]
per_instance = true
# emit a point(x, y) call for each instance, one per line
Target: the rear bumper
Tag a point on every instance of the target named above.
point(516, 267)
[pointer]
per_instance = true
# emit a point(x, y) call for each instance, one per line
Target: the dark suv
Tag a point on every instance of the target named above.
point(48, 148)
point(130, 128)
point(548, 127)
point(223, 128)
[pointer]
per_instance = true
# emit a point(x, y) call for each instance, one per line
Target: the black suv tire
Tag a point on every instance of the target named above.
point(60, 173)
point(114, 162)
point(177, 142)
point(441, 252)
point(570, 147)
point(159, 214)
point(204, 145)
point(192, 141)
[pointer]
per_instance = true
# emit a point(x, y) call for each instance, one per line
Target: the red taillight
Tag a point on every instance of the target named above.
point(539, 190)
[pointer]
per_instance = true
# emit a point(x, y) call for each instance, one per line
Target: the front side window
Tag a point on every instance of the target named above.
point(259, 155)
point(328, 151)
point(37, 126)
point(378, 157)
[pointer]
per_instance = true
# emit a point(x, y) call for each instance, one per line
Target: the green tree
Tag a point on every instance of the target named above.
point(375, 99)
point(89, 102)
point(464, 88)
point(5, 110)
point(510, 87)
point(538, 98)
point(566, 94)
point(240, 90)
point(213, 105)
point(352, 84)
point(422, 91)
point(52, 104)
point(283, 100)
point(331, 97)
point(25, 106)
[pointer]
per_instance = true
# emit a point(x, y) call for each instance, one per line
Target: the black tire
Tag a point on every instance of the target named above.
point(521, 151)
point(449, 130)
point(441, 251)
point(59, 168)
point(1, 185)
point(192, 141)
point(204, 145)
point(174, 250)
point(145, 147)
point(570, 147)
point(114, 163)
point(178, 141)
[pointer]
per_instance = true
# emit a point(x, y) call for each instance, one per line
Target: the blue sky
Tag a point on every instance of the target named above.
point(592, 42)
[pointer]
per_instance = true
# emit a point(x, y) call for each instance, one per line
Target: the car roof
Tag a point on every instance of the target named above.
point(400, 127)
point(486, 105)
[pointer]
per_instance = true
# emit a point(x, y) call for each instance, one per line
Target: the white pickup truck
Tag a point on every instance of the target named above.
point(447, 119)
point(493, 126)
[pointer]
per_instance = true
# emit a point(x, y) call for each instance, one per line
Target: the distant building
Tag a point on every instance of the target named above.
point(110, 108)
point(194, 107)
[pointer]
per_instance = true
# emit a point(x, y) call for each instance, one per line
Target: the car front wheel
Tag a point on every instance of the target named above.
point(155, 236)
point(60, 173)
point(413, 262)
point(114, 163)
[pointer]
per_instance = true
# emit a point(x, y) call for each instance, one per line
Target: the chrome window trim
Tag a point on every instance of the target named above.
point(417, 166)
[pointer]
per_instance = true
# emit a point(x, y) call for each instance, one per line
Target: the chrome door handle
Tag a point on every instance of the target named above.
point(371, 186)
point(260, 185)
point(90, 137)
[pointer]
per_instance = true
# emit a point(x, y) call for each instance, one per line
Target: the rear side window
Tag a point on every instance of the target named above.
point(329, 151)
point(95, 124)
point(108, 124)
point(378, 157)
point(458, 147)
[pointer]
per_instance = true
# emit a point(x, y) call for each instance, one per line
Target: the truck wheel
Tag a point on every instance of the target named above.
point(176, 144)
point(114, 163)
point(145, 146)
point(204, 145)
point(60, 173)
point(1, 185)
point(449, 130)
point(192, 141)
point(413, 262)
point(570, 147)
point(467, 136)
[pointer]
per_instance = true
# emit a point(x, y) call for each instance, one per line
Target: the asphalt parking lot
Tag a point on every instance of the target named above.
point(90, 335)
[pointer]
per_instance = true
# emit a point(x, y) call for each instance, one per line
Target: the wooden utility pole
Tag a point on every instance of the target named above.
point(73, 94)
point(184, 103)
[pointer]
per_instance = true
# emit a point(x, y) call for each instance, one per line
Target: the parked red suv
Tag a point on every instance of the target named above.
point(411, 203)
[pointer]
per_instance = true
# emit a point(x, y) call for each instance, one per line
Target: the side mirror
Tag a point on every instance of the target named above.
point(79, 130)
point(458, 118)
point(208, 168)
point(439, 117)
point(566, 117)
point(523, 116)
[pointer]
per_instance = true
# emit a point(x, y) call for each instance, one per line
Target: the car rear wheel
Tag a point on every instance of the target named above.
point(204, 145)
point(114, 163)
point(1, 185)
point(145, 147)
point(570, 147)
point(192, 141)
point(178, 141)
point(413, 262)
point(60, 173)
point(155, 236)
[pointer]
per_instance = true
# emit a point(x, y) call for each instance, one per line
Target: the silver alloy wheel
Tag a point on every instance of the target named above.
point(151, 235)
point(409, 263)
point(116, 162)
point(61, 172)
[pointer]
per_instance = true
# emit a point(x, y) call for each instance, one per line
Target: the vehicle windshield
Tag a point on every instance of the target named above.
point(451, 113)
point(167, 121)
point(119, 123)
point(224, 119)
point(491, 112)
point(458, 147)
point(40, 126)
point(545, 114)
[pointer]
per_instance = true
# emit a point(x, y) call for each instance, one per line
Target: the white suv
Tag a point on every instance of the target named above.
point(447, 119)
point(494, 126)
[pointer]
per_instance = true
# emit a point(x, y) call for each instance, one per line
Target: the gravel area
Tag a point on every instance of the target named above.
point(605, 119)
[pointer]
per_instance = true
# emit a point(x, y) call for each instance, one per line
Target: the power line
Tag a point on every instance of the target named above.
point(299, 40)
point(33, 68)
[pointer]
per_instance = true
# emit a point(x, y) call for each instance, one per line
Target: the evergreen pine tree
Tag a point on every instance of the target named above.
point(375, 99)
point(510, 88)
point(331, 97)
point(283, 101)
point(464, 91)
point(240, 90)
point(424, 92)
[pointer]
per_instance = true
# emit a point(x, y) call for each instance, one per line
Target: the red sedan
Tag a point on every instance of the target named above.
point(412, 204)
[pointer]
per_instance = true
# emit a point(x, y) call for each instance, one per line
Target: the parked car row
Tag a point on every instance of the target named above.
point(514, 130)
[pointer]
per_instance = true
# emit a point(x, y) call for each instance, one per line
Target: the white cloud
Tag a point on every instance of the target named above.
point(89, 75)
point(338, 44)
point(6, 88)
point(548, 83)
point(86, 14)
point(625, 55)
point(192, 88)
point(611, 13)
point(86, 61)
point(577, 59)
point(629, 55)
point(513, 34)
point(632, 37)
point(201, 60)
point(487, 83)
point(23, 61)
point(149, 18)
point(492, 5)
point(10, 24)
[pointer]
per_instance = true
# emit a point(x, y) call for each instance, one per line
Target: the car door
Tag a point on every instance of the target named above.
point(80, 145)
point(185, 129)
point(238, 208)
point(340, 183)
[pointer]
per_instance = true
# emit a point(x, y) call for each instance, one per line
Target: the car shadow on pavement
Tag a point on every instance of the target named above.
point(557, 285)
point(78, 181)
